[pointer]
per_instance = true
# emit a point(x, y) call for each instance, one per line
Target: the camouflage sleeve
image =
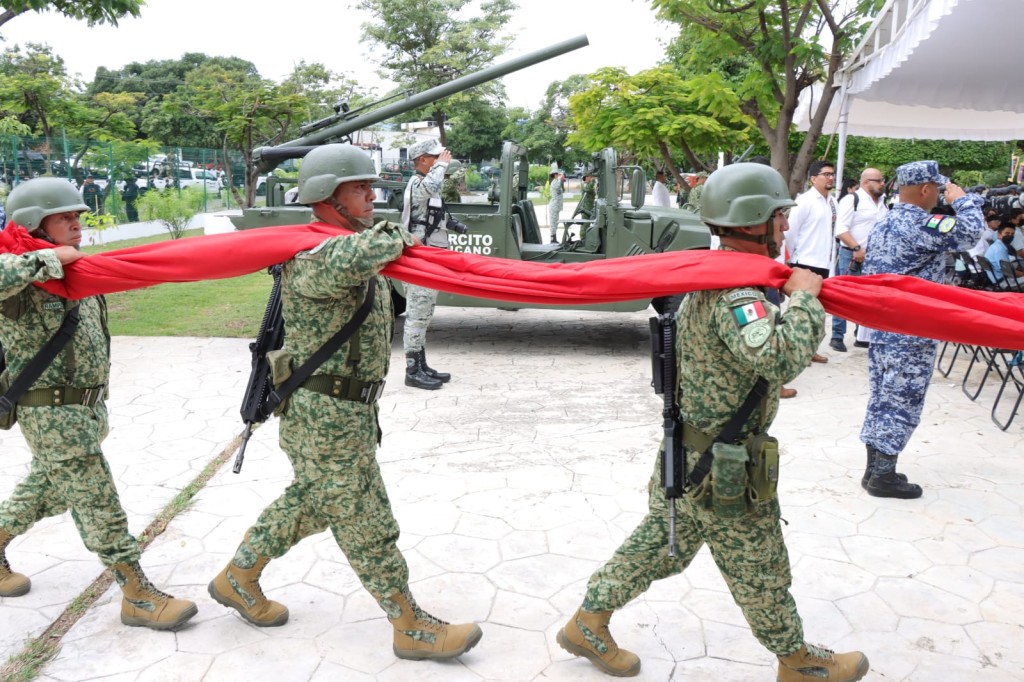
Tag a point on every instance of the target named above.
point(431, 184)
point(970, 223)
point(17, 272)
point(342, 262)
point(777, 348)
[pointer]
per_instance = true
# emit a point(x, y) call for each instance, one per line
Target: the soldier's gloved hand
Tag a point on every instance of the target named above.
point(802, 280)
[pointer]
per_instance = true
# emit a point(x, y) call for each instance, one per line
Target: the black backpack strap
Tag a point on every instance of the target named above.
point(731, 429)
point(306, 369)
point(38, 364)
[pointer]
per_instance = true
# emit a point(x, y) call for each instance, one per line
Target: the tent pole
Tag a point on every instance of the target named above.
point(844, 116)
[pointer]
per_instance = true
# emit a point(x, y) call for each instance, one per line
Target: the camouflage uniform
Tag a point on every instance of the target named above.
point(420, 301)
point(555, 206)
point(68, 470)
point(719, 361)
point(330, 442)
point(909, 241)
point(588, 197)
point(693, 200)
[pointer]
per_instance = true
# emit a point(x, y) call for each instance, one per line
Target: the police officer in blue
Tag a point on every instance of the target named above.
point(909, 240)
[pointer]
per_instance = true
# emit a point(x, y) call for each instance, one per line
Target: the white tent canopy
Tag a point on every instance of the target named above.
point(932, 69)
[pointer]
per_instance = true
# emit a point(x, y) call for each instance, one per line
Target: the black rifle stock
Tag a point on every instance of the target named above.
point(270, 337)
point(673, 462)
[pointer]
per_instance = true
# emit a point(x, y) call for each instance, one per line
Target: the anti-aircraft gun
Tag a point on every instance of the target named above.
point(508, 228)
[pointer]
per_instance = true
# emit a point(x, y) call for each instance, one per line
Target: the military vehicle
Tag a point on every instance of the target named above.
point(508, 227)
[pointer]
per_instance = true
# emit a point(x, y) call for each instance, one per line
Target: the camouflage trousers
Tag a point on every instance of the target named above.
point(749, 551)
point(898, 377)
point(68, 471)
point(554, 211)
point(337, 485)
point(419, 311)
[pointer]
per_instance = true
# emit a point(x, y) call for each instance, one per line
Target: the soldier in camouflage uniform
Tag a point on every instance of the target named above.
point(63, 416)
point(693, 200)
point(588, 197)
point(909, 240)
point(431, 160)
point(329, 425)
point(452, 177)
point(725, 340)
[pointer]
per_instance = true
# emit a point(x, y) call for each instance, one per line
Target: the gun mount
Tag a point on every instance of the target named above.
point(339, 127)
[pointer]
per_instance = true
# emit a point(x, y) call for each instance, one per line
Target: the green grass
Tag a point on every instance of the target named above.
point(223, 307)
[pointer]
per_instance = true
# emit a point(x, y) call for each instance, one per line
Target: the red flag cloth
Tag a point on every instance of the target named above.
point(897, 303)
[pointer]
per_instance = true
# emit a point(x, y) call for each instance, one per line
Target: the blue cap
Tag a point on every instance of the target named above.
point(919, 172)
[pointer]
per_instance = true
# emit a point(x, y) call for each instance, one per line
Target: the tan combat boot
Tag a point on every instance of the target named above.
point(144, 605)
point(238, 587)
point(586, 634)
point(418, 635)
point(11, 584)
point(815, 663)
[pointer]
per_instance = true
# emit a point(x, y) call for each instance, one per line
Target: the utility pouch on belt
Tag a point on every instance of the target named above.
point(280, 362)
point(763, 467)
point(8, 418)
point(729, 480)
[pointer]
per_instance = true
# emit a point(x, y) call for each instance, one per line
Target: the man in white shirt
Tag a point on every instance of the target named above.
point(812, 224)
point(858, 212)
point(660, 197)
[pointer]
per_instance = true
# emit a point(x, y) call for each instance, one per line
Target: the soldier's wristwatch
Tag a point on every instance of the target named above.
point(857, 248)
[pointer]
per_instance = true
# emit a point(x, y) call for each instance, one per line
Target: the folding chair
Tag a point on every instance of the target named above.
point(1014, 379)
point(974, 275)
point(1010, 277)
point(986, 267)
point(989, 357)
point(944, 371)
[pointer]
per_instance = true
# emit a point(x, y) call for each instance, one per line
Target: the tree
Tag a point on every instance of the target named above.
point(657, 114)
point(771, 51)
point(429, 43)
point(246, 111)
point(476, 131)
point(322, 92)
point(36, 89)
point(157, 79)
point(92, 11)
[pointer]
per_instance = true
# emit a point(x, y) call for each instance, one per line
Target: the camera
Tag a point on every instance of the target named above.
point(453, 225)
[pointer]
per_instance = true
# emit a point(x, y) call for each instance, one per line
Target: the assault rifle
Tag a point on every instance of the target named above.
point(255, 407)
point(673, 462)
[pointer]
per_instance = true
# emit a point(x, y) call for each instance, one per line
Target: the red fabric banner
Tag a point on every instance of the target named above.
point(897, 303)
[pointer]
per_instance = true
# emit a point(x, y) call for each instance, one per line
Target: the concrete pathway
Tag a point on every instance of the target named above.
point(511, 485)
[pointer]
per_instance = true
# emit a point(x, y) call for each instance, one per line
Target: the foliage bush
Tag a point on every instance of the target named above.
point(173, 208)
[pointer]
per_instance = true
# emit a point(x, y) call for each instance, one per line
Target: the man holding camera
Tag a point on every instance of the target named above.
point(424, 215)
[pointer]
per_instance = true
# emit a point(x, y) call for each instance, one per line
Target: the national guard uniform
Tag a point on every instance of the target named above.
point(450, 189)
point(725, 340)
point(555, 204)
point(420, 301)
point(329, 425)
point(907, 241)
point(63, 416)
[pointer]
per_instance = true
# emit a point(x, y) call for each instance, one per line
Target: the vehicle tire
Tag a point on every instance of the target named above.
point(667, 304)
point(397, 302)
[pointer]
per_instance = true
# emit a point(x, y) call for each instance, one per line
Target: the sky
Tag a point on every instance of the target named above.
point(621, 32)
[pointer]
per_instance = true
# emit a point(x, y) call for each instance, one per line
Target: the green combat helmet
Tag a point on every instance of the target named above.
point(328, 166)
point(742, 195)
point(33, 200)
point(453, 168)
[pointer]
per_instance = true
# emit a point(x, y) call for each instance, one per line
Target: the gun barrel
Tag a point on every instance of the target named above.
point(265, 157)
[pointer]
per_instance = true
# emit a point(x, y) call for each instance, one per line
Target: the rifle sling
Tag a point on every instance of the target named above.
point(38, 364)
point(306, 369)
point(728, 433)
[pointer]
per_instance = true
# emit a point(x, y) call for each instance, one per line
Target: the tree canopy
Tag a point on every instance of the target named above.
point(429, 43)
point(92, 11)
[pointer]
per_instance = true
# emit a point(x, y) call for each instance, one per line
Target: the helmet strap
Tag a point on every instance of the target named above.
point(342, 214)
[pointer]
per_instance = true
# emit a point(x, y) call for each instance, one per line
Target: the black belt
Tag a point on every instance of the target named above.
point(63, 395)
point(345, 388)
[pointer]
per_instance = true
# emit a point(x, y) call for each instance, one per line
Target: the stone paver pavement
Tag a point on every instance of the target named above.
point(511, 485)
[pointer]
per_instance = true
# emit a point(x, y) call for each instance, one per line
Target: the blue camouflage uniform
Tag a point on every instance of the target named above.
point(910, 241)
